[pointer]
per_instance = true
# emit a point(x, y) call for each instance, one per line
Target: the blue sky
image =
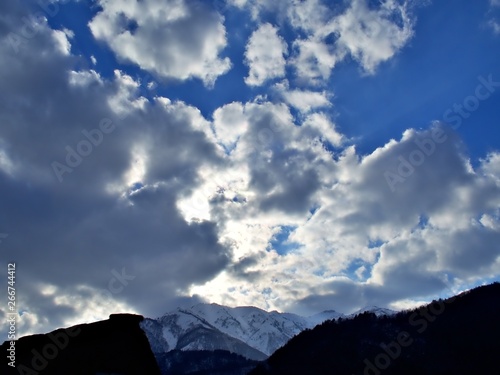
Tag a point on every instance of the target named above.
point(432, 72)
point(292, 155)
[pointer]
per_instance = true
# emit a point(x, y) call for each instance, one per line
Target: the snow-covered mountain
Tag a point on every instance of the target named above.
point(379, 311)
point(248, 331)
point(183, 330)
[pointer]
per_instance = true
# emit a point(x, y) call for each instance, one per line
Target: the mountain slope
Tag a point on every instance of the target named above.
point(451, 337)
point(204, 363)
point(378, 311)
point(181, 330)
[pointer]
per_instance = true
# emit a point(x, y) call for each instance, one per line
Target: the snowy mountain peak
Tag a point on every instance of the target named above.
point(254, 328)
point(246, 330)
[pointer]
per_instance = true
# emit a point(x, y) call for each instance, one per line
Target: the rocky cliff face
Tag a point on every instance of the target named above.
point(114, 346)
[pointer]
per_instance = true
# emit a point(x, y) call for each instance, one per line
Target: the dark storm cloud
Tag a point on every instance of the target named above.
point(352, 296)
point(283, 176)
point(240, 268)
point(80, 231)
point(298, 186)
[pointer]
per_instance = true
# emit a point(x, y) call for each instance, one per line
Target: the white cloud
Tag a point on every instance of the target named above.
point(84, 78)
point(229, 123)
point(370, 35)
point(491, 166)
point(172, 39)
point(237, 3)
point(423, 239)
point(61, 38)
point(186, 204)
point(125, 101)
point(494, 25)
point(373, 36)
point(303, 100)
point(264, 55)
point(315, 60)
point(320, 124)
point(308, 15)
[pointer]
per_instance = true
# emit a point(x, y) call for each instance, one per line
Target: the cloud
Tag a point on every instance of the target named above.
point(303, 100)
point(325, 35)
point(229, 123)
point(357, 242)
point(173, 39)
point(494, 25)
point(308, 15)
point(264, 55)
point(373, 36)
point(114, 210)
point(493, 21)
point(237, 3)
point(266, 202)
point(319, 126)
point(314, 60)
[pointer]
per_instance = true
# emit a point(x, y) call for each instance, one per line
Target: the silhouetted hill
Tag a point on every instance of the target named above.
point(456, 336)
point(114, 346)
point(460, 335)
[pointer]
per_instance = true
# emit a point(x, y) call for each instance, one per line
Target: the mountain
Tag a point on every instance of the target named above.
point(113, 346)
point(314, 320)
point(456, 336)
point(204, 362)
point(192, 335)
point(248, 331)
point(378, 311)
point(204, 339)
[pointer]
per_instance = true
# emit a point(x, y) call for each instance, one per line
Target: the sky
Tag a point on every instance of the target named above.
point(294, 155)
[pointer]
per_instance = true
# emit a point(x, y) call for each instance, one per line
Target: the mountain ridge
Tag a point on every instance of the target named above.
point(258, 329)
point(226, 328)
point(455, 336)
